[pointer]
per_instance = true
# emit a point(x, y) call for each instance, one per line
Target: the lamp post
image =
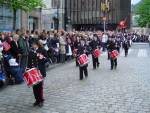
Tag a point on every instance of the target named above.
point(65, 15)
point(57, 18)
point(104, 22)
point(105, 9)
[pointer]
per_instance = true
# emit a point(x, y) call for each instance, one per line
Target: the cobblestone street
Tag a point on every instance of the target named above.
point(125, 90)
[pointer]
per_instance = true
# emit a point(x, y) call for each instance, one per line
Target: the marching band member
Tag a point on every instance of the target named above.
point(76, 45)
point(112, 47)
point(108, 51)
point(82, 68)
point(37, 59)
point(118, 44)
point(126, 47)
point(94, 45)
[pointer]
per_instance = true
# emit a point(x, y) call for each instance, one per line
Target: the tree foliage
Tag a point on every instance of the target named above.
point(143, 10)
point(25, 5)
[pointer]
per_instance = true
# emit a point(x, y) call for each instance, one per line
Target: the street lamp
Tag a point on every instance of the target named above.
point(105, 8)
point(104, 20)
point(65, 15)
point(57, 17)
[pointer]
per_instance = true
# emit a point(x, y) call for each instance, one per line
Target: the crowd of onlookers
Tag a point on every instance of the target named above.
point(140, 38)
point(60, 46)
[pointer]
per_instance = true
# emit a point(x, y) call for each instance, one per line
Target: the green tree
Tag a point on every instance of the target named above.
point(143, 10)
point(25, 5)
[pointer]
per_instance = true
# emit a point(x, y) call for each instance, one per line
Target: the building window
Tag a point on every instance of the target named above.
point(52, 25)
point(55, 3)
point(33, 23)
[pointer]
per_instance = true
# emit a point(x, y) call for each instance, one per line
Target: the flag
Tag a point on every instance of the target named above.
point(122, 24)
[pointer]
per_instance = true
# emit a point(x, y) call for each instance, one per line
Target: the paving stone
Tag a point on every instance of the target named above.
point(125, 90)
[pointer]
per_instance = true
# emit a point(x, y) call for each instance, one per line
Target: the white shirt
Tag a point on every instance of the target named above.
point(104, 38)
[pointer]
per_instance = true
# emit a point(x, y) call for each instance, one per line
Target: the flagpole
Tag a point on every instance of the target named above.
point(105, 16)
point(104, 26)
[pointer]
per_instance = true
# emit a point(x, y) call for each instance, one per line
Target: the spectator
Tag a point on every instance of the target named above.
point(62, 47)
point(24, 49)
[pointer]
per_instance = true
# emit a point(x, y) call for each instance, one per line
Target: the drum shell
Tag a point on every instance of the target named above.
point(32, 77)
point(114, 54)
point(96, 53)
point(83, 60)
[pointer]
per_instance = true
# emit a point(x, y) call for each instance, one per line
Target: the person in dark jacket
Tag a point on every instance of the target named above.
point(37, 59)
point(108, 51)
point(23, 46)
point(83, 69)
point(126, 47)
point(14, 50)
point(118, 44)
point(94, 45)
point(76, 45)
point(55, 46)
point(111, 47)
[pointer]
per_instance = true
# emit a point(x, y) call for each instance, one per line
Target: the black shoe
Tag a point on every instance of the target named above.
point(81, 78)
point(94, 68)
point(98, 65)
point(86, 76)
point(41, 104)
point(36, 103)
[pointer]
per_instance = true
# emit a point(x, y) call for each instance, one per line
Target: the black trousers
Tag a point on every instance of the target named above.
point(108, 54)
point(77, 64)
point(62, 58)
point(95, 62)
point(113, 63)
point(118, 49)
point(23, 62)
point(126, 52)
point(83, 70)
point(38, 92)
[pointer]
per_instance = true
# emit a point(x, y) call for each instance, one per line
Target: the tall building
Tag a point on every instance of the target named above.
point(125, 11)
point(53, 15)
point(88, 13)
point(68, 14)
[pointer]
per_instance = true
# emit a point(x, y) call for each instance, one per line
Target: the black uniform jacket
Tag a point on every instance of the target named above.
point(111, 46)
point(35, 62)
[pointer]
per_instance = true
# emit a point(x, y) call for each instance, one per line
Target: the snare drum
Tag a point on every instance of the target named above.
point(83, 60)
point(6, 46)
point(114, 54)
point(32, 77)
point(96, 53)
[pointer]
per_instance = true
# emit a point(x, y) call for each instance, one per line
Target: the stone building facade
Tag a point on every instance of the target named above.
point(53, 15)
point(25, 21)
point(31, 21)
point(88, 13)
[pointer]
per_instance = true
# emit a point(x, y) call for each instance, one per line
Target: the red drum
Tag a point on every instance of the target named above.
point(6, 46)
point(32, 77)
point(96, 53)
point(114, 54)
point(83, 60)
